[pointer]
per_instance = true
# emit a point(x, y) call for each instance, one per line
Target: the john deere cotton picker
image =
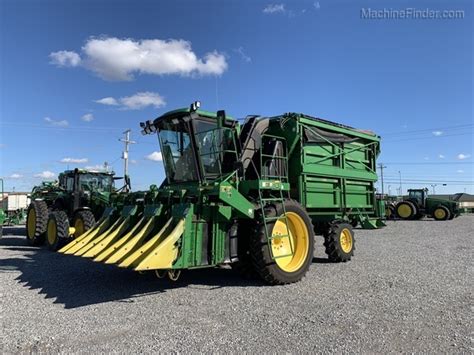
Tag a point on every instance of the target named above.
point(250, 195)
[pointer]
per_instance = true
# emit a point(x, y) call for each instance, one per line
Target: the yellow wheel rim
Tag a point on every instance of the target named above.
point(52, 232)
point(294, 238)
point(404, 210)
point(440, 213)
point(31, 228)
point(345, 239)
point(387, 212)
point(78, 227)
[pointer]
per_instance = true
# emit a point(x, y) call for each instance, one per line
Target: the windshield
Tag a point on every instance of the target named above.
point(416, 195)
point(177, 152)
point(94, 182)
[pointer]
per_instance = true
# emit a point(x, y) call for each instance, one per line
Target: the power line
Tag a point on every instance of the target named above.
point(446, 128)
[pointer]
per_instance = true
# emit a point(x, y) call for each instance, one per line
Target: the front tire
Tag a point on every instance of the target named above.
point(58, 230)
point(274, 260)
point(339, 242)
point(441, 213)
point(82, 222)
point(36, 221)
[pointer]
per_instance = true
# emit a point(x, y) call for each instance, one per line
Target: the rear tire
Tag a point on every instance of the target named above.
point(406, 210)
point(58, 230)
point(286, 268)
point(339, 242)
point(441, 213)
point(82, 222)
point(36, 222)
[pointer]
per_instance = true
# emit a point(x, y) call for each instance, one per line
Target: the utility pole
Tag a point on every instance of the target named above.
point(381, 166)
point(400, 175)
point(127, 142)
point(433, 186)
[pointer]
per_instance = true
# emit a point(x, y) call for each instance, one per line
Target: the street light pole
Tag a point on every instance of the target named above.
point(400, 175)
point(381, 166)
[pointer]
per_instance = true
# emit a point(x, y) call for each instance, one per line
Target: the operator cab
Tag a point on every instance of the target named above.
point(418, 195)
point(195, 145)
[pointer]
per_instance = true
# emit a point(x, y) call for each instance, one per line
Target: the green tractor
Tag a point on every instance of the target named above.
point(419, 205)
point(251, 195)
point(79, 195)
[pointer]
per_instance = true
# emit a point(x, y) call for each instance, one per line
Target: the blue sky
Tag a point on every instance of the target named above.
point(76, 74)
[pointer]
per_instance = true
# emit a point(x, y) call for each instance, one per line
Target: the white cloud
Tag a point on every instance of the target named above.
point(16, 176)
point(426, 158)
point(274, 8)
point(462, 156)
point(155, 156)
point(460, 171)
point(65, 59)
point(143, 99)
point(46, 175)
point(114, 59)
point(74, 160)
point(107, 101)
point(88, 117)
point(243, 55)
point(316, 5)
point(57, 123)
point(135, 102)
point(437, 133)
point(441, 156)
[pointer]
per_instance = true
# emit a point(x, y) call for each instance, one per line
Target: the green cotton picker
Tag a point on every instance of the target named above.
point(251, 194)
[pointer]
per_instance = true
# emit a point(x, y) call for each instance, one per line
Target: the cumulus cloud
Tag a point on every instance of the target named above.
point(460, 171)
point(274, 8)
point(155, 156)
point(57, 123)
point(135, 102)
point(243, 55)
point(441, 156)
point(107, 101)
point(88, 117)
point(65, 59)
point(462, 156)
point(74, 160)
point(119, 59)
point(16, 176)
point(437, 133)
point(46, 175)
point(316, 5)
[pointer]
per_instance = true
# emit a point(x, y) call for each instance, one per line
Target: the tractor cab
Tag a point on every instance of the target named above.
point(86, 181)
point(418, 196)
point(196, 146)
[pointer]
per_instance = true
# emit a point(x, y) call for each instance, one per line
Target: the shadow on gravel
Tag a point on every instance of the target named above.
point(76, 282)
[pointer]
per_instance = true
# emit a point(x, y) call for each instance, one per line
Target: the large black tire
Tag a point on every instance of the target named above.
point(57, 232)
point(289, 269)
point(36, 222)
point(82, 222)
point(441, 213)
point(339, 242)
point(406, 210)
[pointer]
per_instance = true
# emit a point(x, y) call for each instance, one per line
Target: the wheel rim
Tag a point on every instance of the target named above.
point(404, 210)
point(298, 240)
point(345, 239)
point(31, 223)
point(440, 213)
point(52, 232)
point(78, 227)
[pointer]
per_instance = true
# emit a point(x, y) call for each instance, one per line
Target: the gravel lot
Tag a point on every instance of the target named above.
point(407, 289)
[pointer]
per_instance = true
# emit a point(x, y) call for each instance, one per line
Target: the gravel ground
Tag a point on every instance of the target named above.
point(407, 289)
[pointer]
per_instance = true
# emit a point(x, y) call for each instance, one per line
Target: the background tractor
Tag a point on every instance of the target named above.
point(81, 196)
point(251, 195)
point(419, 205)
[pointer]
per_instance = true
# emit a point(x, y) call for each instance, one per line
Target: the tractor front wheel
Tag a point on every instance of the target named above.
point(441, 213)
point(36, 220)
point(339, 242)
point(57, 232)
point(82, 222)
point(284, 253)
